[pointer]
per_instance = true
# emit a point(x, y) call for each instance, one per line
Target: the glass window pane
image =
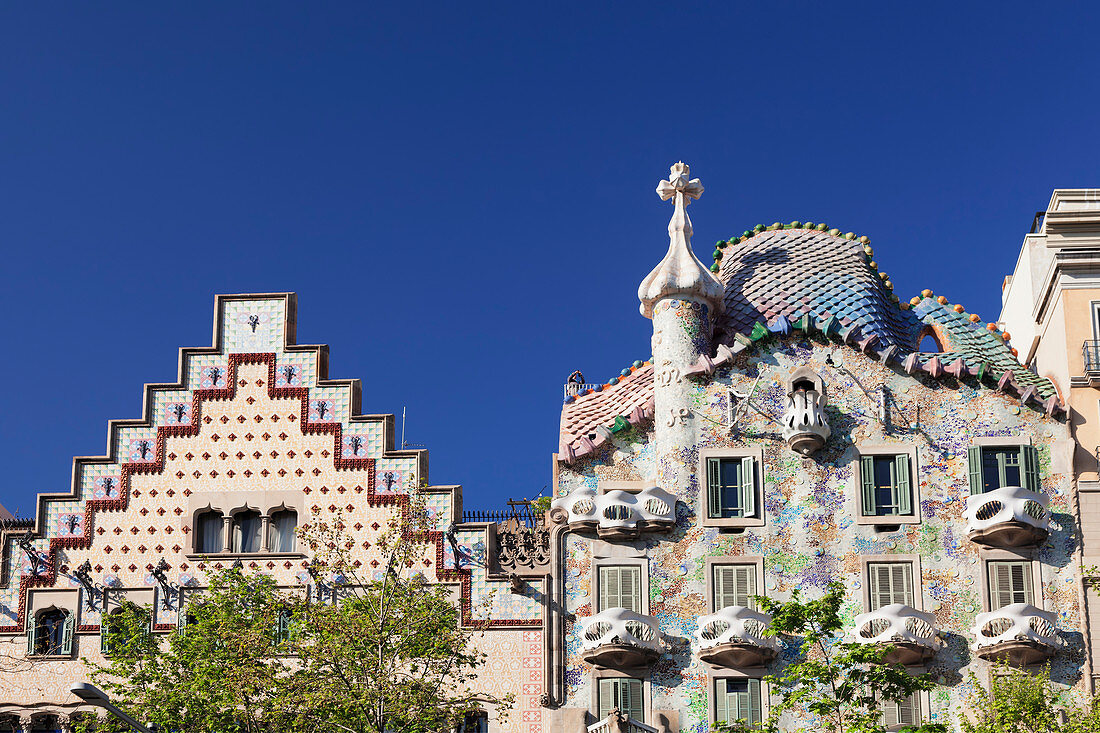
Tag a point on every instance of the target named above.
point(210, 532)
point(885, 494)
point(246, 532)
point(280, 535)
point(991, 470)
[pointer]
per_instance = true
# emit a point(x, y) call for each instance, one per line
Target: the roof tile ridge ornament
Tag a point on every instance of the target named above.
point(680, 273)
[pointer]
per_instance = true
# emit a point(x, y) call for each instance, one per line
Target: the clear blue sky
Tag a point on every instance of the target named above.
point(462, 194)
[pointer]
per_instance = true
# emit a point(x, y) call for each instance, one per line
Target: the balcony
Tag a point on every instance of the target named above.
point(616, 514)
point(1090, 353)
point(1007, 517)
point(1019, 634)
point(620, 638)
point(736, 637)
point(910, 633)
point(619, 723)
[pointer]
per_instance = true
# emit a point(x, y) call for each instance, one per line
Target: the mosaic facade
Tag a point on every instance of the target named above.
point(253, 424)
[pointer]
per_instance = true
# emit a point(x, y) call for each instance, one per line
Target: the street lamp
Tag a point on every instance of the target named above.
point(92, 695)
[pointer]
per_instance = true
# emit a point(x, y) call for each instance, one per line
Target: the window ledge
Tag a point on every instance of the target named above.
point(50, 657)
point(201, 556)
point(887, 519)
point(733, 521)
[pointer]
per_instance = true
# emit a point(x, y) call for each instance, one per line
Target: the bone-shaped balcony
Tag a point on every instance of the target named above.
point(616, 514)
point(620, 638)
point(1019, 634)
point(736, 636)
point(1007, 517)
point(910, 633)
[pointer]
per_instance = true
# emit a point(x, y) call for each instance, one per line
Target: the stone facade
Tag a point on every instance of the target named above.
point(253, 425)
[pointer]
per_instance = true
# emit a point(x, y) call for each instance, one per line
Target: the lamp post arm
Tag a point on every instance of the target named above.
point(113, 710)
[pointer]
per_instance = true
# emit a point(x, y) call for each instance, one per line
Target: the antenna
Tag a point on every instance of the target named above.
point(402, 428)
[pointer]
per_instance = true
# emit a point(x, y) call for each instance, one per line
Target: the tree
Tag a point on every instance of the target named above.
point(361, 656)
point(1022, 702)
point(392, 654)
point(219, 672)
point(844, 683)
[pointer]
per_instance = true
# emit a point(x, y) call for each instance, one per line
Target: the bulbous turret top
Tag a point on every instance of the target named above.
point(680, 274)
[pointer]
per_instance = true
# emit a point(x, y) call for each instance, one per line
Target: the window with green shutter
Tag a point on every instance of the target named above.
point(1010, 582)
point(734, 585)
point(901, 712)
point(737, 699)
point(885, 485)
point(995, 467)
point(620, 586)
point(889, 583)
point(731, 487)
point(50, 633)
point(624, 693)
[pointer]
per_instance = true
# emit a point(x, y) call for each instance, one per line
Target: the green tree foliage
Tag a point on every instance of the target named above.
point(371, 656)
point(1022, 702)
point(843, 683)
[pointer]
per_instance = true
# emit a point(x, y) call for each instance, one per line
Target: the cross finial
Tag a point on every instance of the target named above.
point(678, 183)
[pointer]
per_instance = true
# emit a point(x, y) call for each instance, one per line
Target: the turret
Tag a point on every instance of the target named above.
point(682, 298)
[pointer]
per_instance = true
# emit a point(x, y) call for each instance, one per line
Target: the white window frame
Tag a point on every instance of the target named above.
point(758, 518)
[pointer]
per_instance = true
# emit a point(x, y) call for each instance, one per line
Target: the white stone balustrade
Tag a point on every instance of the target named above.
point(804, 425)
point(1010, 516)
point(912, 633)
point(1019, 633)
point(736, 636)
point(616, 514)
point(619, 637)
point(618, 723)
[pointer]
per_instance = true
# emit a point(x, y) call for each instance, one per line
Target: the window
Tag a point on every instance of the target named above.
point(731, 487)
point(285, 627)
point(50, 633)
point(623, 693)
point(734, 585)
point(280, 531)
point(901, 712)
point(737, 699)
point(890, 582)
point(246, 532)
point(1010, 582)
point(209, 537)
point(620, 587)
point(884, 482)
point(475, 722)
point(995, 467)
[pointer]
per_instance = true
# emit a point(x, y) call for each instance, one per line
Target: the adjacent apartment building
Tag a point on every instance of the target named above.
point(1051, 305)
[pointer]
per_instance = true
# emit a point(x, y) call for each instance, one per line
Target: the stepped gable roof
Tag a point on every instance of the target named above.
point(589, 420)
point(801, 277)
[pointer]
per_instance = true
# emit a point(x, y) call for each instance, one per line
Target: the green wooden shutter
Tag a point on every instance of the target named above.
point(721, 702)
point(890, 714)
point(1023, 589)
point(748, 487)
point(633, 581)
point(606, 697)
point(714, 488)
point(609, 588)
point(723, 580)
point(1010, 582)
point(867, 482)
point(627, 699)
point(901, 484)
point(890, 583)
point(755, 708)
point(104, 633)
point(1029, 468)
point(67, 633)
point(974, 457)
point(734, 585)
point(32, 628)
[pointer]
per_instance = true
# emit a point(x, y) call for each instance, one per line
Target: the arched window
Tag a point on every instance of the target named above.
point(208, 532)
point(246, 532)
point(475, 722)
point(50, 632)
point(45, 724)
point(280, 531)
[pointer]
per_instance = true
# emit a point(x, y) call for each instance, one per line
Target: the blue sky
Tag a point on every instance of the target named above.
point(462, 194)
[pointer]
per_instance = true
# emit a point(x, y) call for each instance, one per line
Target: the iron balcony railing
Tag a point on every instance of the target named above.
point(1091, 351)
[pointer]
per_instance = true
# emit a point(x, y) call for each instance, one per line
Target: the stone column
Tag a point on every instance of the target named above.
point(681, 332)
